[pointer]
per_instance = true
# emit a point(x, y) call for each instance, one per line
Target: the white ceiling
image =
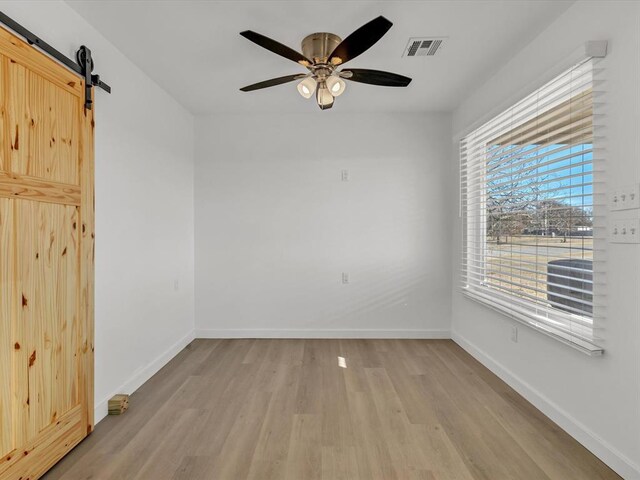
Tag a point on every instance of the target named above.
point(193, 49)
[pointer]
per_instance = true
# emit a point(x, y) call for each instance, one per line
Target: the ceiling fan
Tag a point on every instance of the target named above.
point(322, 54)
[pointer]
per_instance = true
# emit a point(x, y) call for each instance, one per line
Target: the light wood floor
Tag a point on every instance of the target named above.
point(286, 409)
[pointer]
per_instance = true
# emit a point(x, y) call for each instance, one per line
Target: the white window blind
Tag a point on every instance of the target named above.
point(532, 199)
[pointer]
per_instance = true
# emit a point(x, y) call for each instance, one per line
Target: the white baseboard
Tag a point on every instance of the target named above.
point(284, 333)
point(622, 465)
point(143, 374)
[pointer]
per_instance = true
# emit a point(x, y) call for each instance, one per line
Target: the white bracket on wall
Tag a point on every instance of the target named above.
point(596, 48)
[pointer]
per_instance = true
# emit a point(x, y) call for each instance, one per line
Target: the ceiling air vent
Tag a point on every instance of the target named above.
point(423, 47)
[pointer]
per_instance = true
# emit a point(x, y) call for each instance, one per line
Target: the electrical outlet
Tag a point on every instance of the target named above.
point(345, 175)
point(345, 278)
point(176, 285)
point(625, 231)
point(514, 334)
point(626, 198)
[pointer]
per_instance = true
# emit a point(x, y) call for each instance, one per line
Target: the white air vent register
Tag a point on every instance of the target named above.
point(423, 46)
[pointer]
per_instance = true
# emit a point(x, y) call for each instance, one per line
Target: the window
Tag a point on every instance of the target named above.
point(530, 203)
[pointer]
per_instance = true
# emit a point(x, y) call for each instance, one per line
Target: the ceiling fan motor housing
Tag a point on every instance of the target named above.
point(318, 46)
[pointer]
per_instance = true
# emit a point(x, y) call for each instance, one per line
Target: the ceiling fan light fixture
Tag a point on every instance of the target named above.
point(306, 87)
point(336, 85)
point(322, 53)
point(324, 97)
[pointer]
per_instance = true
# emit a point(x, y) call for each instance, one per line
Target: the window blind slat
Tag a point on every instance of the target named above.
point(531, 161)
point(539, 101)
point(475, 198)
point(527, 157)
point(493, 130)
point(527, 153)
point(481, 256)
point(481, 271)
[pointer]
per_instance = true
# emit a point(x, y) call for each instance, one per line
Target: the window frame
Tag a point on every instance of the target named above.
point(569, 328)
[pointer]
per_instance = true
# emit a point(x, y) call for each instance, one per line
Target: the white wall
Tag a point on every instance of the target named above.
point(144, 207)
point(276, 226)
point(596, 399)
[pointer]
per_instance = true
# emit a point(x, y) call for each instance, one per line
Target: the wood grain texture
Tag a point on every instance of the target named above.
point(48, 261)
point(29, 188)
point(44, 126)
point(46, 285)
point(20, 52)
point(7, 310)
point(5, 126)
point(37, 455)
point(287, 409)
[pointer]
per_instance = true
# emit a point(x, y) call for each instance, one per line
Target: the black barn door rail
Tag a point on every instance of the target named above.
point(83, 67)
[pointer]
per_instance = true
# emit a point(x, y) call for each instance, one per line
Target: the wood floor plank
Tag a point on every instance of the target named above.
point(234, 392)
point(309, 394)
point(337, 421)
point(162, 463)
point(305, 458)
point(237, 453)
point(328, 410)
point(354, 374)
point(406, 455)
point(340, 464)
point(372, 452)
point(269, 459)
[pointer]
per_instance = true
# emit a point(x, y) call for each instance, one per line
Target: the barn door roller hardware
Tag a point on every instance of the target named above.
point(83, 67)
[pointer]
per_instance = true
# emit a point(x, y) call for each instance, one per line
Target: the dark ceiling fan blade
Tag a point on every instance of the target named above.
point(360, 41)
point(276, 47)
point(375, 77)
point(273, 82)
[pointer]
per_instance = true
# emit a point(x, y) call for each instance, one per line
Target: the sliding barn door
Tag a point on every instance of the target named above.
point(46, 261)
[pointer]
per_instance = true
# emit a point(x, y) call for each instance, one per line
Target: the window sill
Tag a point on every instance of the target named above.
point(531, 320)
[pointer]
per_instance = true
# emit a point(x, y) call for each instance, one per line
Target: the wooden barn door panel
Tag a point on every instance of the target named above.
point(44, 144)
point(46, 261)
point(48, 278)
